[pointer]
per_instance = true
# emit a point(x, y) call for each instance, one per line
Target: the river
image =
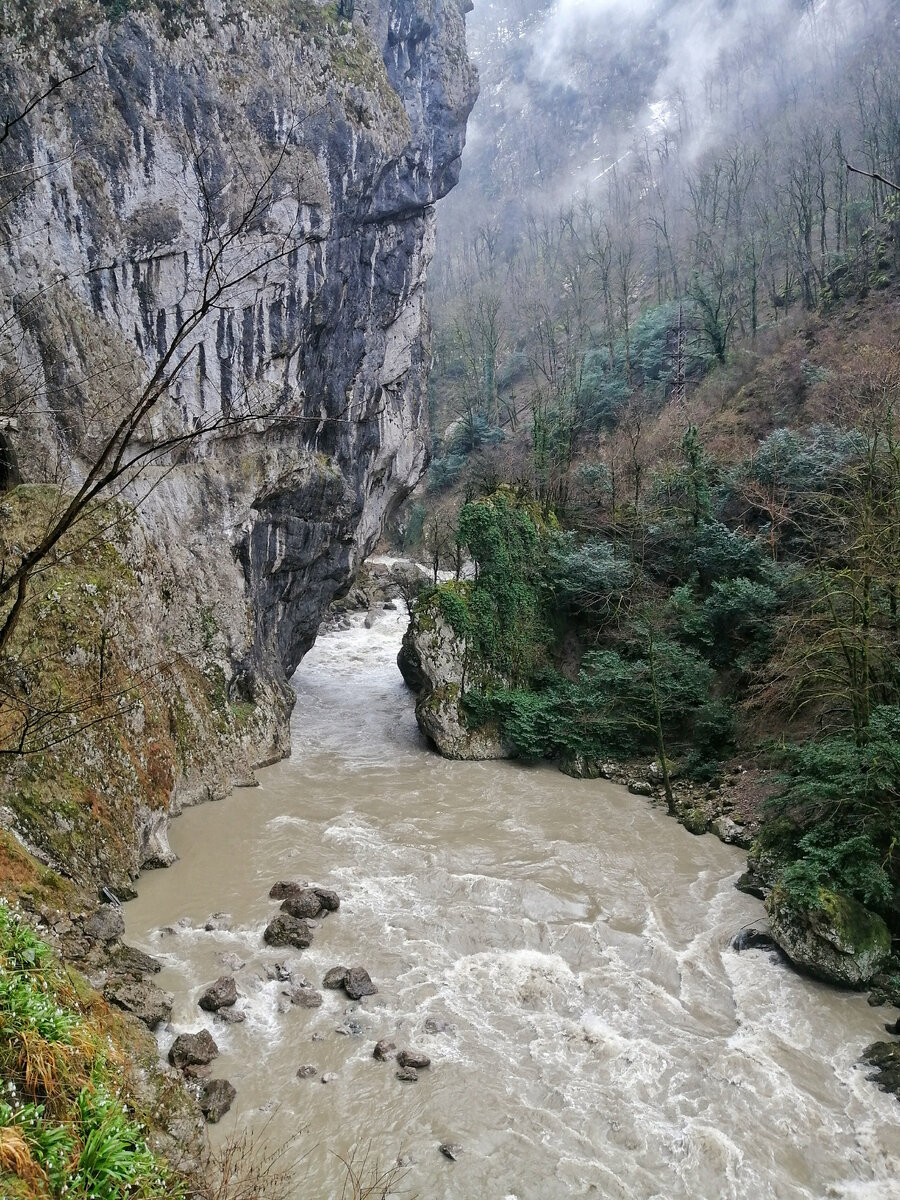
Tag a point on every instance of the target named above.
point(605, 1040)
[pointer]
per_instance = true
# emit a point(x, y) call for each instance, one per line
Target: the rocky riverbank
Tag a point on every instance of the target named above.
point(837, 941)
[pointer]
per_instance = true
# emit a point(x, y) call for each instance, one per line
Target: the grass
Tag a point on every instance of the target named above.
point(65, 1126)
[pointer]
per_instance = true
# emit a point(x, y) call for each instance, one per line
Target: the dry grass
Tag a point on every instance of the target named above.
point(15, 1157)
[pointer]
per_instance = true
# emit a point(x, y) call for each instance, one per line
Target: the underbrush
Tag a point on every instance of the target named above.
point(65, 1127)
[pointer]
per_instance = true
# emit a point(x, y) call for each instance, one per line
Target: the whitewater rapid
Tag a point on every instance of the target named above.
point(604, 1039)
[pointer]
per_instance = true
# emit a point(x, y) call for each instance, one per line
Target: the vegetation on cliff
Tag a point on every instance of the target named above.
point(66, 1127)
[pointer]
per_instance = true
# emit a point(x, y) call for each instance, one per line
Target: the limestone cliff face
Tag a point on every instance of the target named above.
point(252, 184)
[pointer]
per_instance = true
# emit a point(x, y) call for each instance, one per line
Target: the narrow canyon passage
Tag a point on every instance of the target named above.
point(603, 1039)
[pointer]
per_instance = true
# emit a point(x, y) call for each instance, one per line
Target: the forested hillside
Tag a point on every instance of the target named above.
point(667, 374)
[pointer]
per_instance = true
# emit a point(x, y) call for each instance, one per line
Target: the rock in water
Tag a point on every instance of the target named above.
point(127, 960)
point(221, 994)
point(193, 1050)
point(432, 661)
point(217, 921)
point(885, 1058)
point(413, 1058)
point(285, 889)
point(288, 931)
point(450, 1150)
point(408, 1074)
point(753, 937)
point(438, 1025)
point(384, 1050)
point(216, 1097)
point(305, 903)
point(329, 899)
point(307, 1071)
point(839, 941)
point(358, 984)
point(335, 977)
point(142, 999)
point(306, 997)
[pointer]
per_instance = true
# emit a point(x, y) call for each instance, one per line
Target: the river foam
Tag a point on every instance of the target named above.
point(600, 1037)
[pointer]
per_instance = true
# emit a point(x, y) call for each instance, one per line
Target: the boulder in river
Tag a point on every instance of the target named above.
point(221, 994)
point(450, 1150)
point(335, 977)
point(640, 787)
point(432, 661)
point(307, 1071)
point(885, 1058)
point(438, 1025)
point(694, 820)
point(754, 937)
point(838, 941)
point(216, 1098)
point(193, 1050)
point(384, 1050)
point(217, 921)
point(357, 983)
point(305, 903)
point(413, 1058)
point(142, 999)
point(288, 931)
point(329, 898)
point(408, 1074)
point(284, 889)
point(306, 997)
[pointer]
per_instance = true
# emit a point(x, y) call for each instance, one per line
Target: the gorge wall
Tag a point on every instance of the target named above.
point(238, 196)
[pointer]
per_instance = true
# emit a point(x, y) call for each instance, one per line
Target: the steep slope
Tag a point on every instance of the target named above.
point(239, 199)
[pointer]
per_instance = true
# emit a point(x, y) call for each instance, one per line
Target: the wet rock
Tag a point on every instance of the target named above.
point(307, 1071)
point(282, 970)
point(358, 984)
point(106, 924)
point(432, 661)
point(754, 937)
point(893, 1027)
point(335, 977)
point(413, 1058)
point(285, 889)
point(839, 941)
point(695, 821)
point(729, 832)
point(751, 885)
point(305, 903)
point(384, 1050)
point(328, 898)
point(127, 960)
point(329, 1077)
point(218, 995)
point(233, 962)
point(216, 1098)
point(193, 1049)
point(349, 1029)
point(438, 1025)
point(217, 921)
point(640, 787)
point(288, 931)
point(142, 999)
point(231, 1016)
point(408, 1074)
point(451, 1150)
point(578, 766)
point(885, 1058)
point(306, 997)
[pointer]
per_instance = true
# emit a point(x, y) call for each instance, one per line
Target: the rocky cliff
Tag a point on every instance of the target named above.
point(238, 197)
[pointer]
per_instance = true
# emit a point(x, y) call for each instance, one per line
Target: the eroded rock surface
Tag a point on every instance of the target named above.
point(840, 941)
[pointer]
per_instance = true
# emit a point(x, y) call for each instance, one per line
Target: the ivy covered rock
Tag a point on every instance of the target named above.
point(839, 940)
point(436, 664)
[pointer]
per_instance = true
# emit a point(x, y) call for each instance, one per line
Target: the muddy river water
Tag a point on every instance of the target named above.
point(603, 1040)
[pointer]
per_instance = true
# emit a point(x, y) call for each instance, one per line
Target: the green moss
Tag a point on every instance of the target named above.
point(865, 931)
point(694, 820)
